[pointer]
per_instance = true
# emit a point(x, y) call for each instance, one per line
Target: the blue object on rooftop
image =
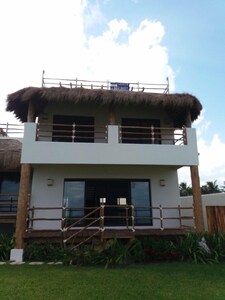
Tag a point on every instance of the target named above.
point(119, 86)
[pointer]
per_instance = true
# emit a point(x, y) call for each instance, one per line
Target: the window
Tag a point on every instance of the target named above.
point(81, 196)
point(9, 189)
point(74, 199)
point(140, 198)
point(140, 131)
point(73, 129)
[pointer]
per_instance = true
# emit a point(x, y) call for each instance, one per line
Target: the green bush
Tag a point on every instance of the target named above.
point(193, 247)
point(201, 247)
point(6, 244)
point(158, 248)
point(44, 252)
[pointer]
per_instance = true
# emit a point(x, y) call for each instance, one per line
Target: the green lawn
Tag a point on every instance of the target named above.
point(152, 281)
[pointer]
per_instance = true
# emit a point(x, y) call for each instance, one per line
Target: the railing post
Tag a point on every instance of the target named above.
point(120, 133)
point(7, 128)
point(152, 134)
point(127, 216)
point(180, 218)
point(132, 217)
point(184, 135)
point(161, 217)
point(102, 209)
point(106, 133)
point(31, 210)
point(73, 132)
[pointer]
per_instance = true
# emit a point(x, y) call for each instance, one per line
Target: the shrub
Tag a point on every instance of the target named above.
point(201, 247)
point(44, 252)
point(158, 248)
point(6, 244)
point(193, 247)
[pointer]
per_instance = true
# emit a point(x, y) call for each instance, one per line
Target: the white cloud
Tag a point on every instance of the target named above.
point(212, 159)
point(93, 15)
point(211, 156)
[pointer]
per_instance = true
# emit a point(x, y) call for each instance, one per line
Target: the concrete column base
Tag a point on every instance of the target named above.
point(16, 255)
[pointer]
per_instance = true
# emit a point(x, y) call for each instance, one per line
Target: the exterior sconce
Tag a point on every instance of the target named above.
point(162, 182)
point(102, 200)
point(50, 182)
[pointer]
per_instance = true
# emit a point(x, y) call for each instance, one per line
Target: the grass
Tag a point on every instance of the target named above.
point(152, 281)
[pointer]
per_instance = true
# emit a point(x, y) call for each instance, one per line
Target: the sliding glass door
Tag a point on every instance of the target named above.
point(81, 196)
point(74, 199)
point(140, 198)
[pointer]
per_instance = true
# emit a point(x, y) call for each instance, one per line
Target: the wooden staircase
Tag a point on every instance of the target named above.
point(94, 228)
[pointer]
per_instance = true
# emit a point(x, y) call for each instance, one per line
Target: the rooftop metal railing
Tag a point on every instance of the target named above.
point(12, 130)
point(108, 85)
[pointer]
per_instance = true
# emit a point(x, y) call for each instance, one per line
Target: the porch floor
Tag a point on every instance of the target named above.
point(121, 233)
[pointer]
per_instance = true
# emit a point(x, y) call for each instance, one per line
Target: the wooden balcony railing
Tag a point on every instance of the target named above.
point(99, 134)
point(128, 216)
point(8, 207)
point(153, 135)
point(11, 130)
point(71, 133)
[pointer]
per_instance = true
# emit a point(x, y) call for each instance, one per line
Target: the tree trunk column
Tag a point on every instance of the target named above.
point(21, 220)
point(112, 117)
point(197, 199)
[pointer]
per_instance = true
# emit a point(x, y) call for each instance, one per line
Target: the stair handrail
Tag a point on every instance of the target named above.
point(65, 229)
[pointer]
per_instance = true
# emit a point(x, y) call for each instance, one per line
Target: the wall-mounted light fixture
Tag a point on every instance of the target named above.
point(50, 182)
point(102, 200)
point(162, 182)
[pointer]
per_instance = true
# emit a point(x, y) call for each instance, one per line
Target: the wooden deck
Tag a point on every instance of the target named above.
point(57, 235)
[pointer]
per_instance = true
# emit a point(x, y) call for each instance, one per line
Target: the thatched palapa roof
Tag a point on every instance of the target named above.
point(178, 106)
point(10, 153)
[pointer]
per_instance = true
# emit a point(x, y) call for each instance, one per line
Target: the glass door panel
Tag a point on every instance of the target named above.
point(74, 192)
point(140, 198)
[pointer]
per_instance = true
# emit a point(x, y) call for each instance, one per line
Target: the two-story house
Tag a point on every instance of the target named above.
point(103, 160)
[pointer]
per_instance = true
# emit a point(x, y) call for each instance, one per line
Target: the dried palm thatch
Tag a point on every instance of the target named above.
point(178, 106)
point(10, 153)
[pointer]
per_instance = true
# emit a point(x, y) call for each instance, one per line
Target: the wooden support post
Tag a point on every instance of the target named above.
point(197, 199)
point(31, 113)
point(21, 220)
point(112, 117)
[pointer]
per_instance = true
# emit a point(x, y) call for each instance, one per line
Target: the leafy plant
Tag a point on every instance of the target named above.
point(201, 247)
point(158, 248)
point(6, 244)
point(44, 252)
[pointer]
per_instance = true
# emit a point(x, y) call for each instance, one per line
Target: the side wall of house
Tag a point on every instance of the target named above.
point(207, 200)
point(43, 195)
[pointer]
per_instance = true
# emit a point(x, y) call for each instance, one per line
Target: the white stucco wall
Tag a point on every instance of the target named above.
point(113, 152)
point(207, 200)
point(44, 195)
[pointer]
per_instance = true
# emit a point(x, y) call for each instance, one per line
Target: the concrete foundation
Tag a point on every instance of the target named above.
point(16, 255)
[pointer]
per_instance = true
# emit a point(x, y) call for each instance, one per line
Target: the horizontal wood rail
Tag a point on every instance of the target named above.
point(8, 205)
point(11, 130)
point(107, 85)
point(99, 215)
point(153, 135)
point(71, 132)
point(99, 133)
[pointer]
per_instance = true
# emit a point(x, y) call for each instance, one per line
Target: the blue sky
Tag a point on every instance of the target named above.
point(127, 40)
point(195, 39)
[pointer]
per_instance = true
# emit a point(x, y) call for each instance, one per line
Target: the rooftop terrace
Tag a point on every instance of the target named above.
point(106, 85)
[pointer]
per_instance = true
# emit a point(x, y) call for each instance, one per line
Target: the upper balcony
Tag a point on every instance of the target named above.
point(111, 145)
